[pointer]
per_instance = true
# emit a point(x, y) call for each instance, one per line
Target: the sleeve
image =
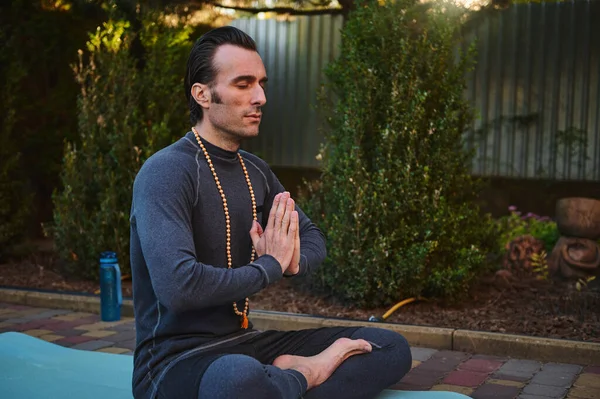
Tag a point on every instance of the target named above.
point(312, 241)
point(163, 199)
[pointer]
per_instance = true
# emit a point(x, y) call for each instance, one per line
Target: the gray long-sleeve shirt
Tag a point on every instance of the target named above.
point(182, 289)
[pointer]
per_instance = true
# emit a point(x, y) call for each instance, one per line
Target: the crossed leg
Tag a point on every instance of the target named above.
point(319, 364)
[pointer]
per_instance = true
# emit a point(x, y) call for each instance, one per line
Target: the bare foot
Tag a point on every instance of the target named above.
point(317, 369)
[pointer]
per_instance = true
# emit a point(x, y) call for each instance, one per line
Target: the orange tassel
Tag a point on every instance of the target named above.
point(244, 321)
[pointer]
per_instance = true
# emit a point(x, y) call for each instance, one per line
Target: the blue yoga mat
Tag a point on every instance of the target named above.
point(31, 368)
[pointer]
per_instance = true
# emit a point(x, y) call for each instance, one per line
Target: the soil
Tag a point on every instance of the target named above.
point(525, 306)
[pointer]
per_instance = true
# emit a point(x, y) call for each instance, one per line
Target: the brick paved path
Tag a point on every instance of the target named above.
point(480, 377)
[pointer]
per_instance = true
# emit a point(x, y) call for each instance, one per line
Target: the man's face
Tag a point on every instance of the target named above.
point(237, 93)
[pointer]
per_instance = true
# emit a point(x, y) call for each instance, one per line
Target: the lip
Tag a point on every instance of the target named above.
point(256, 117)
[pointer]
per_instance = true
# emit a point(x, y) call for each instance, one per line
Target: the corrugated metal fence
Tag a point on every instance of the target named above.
point(537, 92)
point(536, 88)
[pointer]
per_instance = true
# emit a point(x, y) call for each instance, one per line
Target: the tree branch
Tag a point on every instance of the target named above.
point(282, 10)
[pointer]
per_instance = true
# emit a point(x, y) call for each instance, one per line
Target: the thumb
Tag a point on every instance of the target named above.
point(255, 232)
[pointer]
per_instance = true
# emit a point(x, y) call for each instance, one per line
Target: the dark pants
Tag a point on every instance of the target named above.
point(245, 370)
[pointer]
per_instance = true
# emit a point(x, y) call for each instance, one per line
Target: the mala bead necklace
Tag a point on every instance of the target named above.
point(244, 314)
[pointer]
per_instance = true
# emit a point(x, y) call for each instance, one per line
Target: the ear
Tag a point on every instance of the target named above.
point(201, 94)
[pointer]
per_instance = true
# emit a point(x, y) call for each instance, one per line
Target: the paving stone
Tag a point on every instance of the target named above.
point(480, 365)
point(544, 390)
point(15, 320)
point(553, 379)
point(592, 369)
point(509, 383)
point(588, 381)
point(126, 327)
point(91, 326)
point(452, 388)
point(443, 361)
point(584, 393)
point(69, 332)
point(27, 312)
point(48, 314)
point(123, 336)
point(128, 344)
point(98, 333)
point(114, 350)
point(518, 365)
point(512, 376)
point(75, 316)
point(64, 343)
point(74, 340)
point(51, 337)
point(30, 318)
point(51, 325)
point(414, 364)
point(93, 345)
point(422, 354)
point(64, 317)
point(495, 391)
point(452, 355)
point(66, 325)
point(465, 378)
point(29, 325)
point(37, 333)
point(101, 325)
point(525, 396)
point(562, 368)
point(419, 378)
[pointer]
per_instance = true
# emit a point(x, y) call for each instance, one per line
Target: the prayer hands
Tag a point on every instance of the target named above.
point(281, 238)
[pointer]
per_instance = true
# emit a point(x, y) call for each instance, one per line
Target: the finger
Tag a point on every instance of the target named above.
point(297, 221)
point(293, 228)
point(271, 221)
point(297, 228)
point(289, 208)
point(255, 233)
point(280, 211)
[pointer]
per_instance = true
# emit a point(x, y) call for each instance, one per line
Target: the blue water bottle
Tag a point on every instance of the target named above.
point(111, 297)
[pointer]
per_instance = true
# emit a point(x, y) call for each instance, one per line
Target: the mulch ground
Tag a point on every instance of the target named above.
point(527, 306)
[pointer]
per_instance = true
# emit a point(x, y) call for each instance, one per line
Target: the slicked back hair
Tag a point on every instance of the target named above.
point(200, 65)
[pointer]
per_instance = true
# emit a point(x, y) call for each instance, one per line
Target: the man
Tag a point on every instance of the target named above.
point(210, 226)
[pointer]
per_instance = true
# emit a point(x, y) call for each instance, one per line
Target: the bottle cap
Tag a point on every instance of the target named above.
point(108, 257)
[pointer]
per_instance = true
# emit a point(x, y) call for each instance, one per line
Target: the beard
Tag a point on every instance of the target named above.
point(215, 97)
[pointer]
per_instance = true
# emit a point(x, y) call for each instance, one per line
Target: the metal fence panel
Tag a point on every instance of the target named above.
point(536, 89)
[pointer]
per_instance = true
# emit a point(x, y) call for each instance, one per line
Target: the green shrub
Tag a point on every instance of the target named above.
point(125, 115)
point(40, 41)
point(15, 196)
point(516, 225)
point(396, 196)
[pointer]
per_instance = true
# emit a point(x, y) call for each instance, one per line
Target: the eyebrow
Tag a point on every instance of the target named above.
point(248, 78)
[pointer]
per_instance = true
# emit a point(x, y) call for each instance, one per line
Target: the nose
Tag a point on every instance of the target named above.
point(259, 97)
